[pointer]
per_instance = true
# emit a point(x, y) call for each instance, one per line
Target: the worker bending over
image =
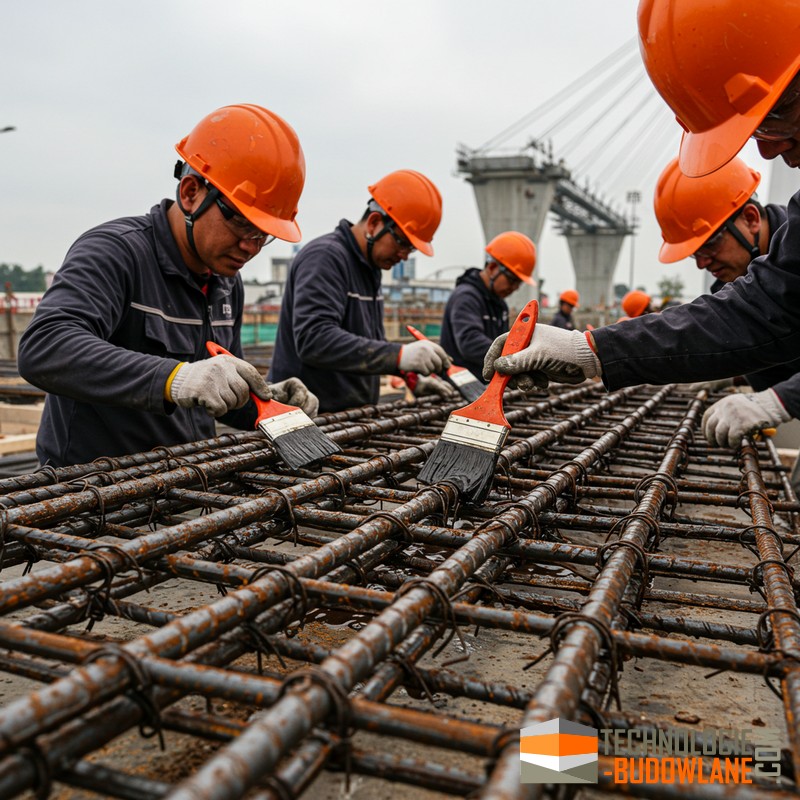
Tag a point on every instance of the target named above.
point(476, 312)
point(731, 74)
point(717, 220)
point(330, 330)
point(118, 340)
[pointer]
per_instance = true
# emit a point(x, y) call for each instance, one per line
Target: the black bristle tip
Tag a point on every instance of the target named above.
point(303, 446)
point(469, 469)
point(470, 391)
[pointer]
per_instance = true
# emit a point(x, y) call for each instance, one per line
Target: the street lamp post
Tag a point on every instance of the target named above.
point(633, 198)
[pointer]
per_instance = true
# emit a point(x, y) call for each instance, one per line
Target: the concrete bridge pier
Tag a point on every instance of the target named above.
point(594, 259)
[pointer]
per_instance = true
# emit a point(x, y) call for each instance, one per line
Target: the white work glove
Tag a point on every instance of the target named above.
point(423, 357)
point(218, 384)
point(738, 415)
point(294, 392)
point(433, 386)
point(711, 386)
point(553, 355)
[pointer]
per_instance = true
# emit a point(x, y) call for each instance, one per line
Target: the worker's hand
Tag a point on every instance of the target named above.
point(423, 357)
point(431, 385)
point(738, 415)
point(218, 384)
point(711, 386)
point(553, 355)
point(294, 392)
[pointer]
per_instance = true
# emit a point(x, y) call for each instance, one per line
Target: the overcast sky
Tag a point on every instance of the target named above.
point(101, 91)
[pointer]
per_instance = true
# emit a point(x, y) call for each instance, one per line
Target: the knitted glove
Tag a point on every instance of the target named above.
point(553, 355)
point(423, 357)
point(218, 384)
point(711, 386)
point(294, 392)
point(735, 416)
point(431, 385)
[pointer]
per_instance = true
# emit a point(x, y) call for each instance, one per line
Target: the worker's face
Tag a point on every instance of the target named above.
point(505, 281)
point(224, 239)
point(389, 248)
point(779, 132)
point(566, 308)
point(722, 255)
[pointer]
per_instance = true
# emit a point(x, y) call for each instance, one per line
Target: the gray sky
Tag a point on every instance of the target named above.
point(101, 91)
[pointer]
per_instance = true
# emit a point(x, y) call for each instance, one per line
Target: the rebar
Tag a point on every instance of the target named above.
point(287, 630)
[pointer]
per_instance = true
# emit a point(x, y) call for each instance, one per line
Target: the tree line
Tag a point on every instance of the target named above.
point(14, 277)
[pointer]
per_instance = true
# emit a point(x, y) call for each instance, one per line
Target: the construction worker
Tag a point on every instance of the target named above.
point(635, 303)
point(330, 330)
point(118, 340)
point(568, 301)
point(732, 73)
point(476, 312)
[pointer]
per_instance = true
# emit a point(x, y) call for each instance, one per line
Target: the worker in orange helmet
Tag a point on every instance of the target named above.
point(717, 220)
point(330, 330)
point(635, 303)
point(568, 301)
point(729, 71)
point(476, 311)
point(119, 339)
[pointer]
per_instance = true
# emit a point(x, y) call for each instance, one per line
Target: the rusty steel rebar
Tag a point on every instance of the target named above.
point(341, 610)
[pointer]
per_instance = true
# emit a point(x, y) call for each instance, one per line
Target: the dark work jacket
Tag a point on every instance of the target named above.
point(473, 318)
point(561, 320)
point(330, 330)
point(122, 312)
point(751, 324)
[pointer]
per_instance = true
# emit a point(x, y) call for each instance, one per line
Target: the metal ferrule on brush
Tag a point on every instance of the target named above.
point(475, 433)
point(285, 423)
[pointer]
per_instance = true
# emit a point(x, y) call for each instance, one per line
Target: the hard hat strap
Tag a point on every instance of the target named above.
point(191, 217)
point(751, 247)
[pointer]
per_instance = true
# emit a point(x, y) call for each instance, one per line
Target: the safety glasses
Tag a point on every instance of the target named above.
point(238, 225)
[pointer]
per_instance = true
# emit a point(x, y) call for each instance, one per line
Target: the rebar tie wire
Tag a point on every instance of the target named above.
point(140, 690)
point(766, 640)
point(448, 615)
point(295, 589)
point(532, 521)
point(271, 492)
point(756, 579)
point(670, 485)
point(752, 528)
point(98, 598)
point(602, 557)
point(643, 516)
point(43, 782)
point(395, 520)
point(305, 677)
point(411, 669)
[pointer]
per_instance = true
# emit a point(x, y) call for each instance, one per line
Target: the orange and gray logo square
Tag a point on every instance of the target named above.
point(558, 751)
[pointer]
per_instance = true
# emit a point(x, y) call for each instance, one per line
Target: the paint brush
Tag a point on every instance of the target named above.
point(466, 453)
point(297, 439)
point(460, 378)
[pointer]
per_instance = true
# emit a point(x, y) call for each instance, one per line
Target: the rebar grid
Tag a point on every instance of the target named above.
point(274, 628)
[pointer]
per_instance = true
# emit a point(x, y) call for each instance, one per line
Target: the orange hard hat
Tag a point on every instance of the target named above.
point(413, 202)
point(689, 210)
point(635, 303)
point(516, 252)
point(570, 296)
point(721, 66)
point(254, 158)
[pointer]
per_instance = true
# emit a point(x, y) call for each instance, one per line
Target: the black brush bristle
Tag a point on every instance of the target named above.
point(469, 469)
point(472, 390)
point(303, 446)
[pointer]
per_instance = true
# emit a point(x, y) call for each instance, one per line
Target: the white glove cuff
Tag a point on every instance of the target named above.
point(772, 405)
point(585, 357)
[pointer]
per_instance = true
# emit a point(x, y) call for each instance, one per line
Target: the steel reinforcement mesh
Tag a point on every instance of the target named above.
point(200, 622)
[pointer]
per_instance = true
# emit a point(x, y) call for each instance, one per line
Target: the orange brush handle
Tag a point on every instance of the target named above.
point(489, 406)
point(265, 408)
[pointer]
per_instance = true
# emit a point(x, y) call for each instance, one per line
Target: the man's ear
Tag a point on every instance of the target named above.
point(752, 217)
point(189, 191)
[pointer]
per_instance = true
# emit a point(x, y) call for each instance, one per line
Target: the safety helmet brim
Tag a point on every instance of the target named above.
point(706, 151)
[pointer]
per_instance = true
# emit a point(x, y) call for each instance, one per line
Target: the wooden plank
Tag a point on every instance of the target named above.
point(17, 443)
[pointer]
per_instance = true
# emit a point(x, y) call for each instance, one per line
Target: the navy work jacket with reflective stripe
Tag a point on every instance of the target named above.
point(122, 312)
